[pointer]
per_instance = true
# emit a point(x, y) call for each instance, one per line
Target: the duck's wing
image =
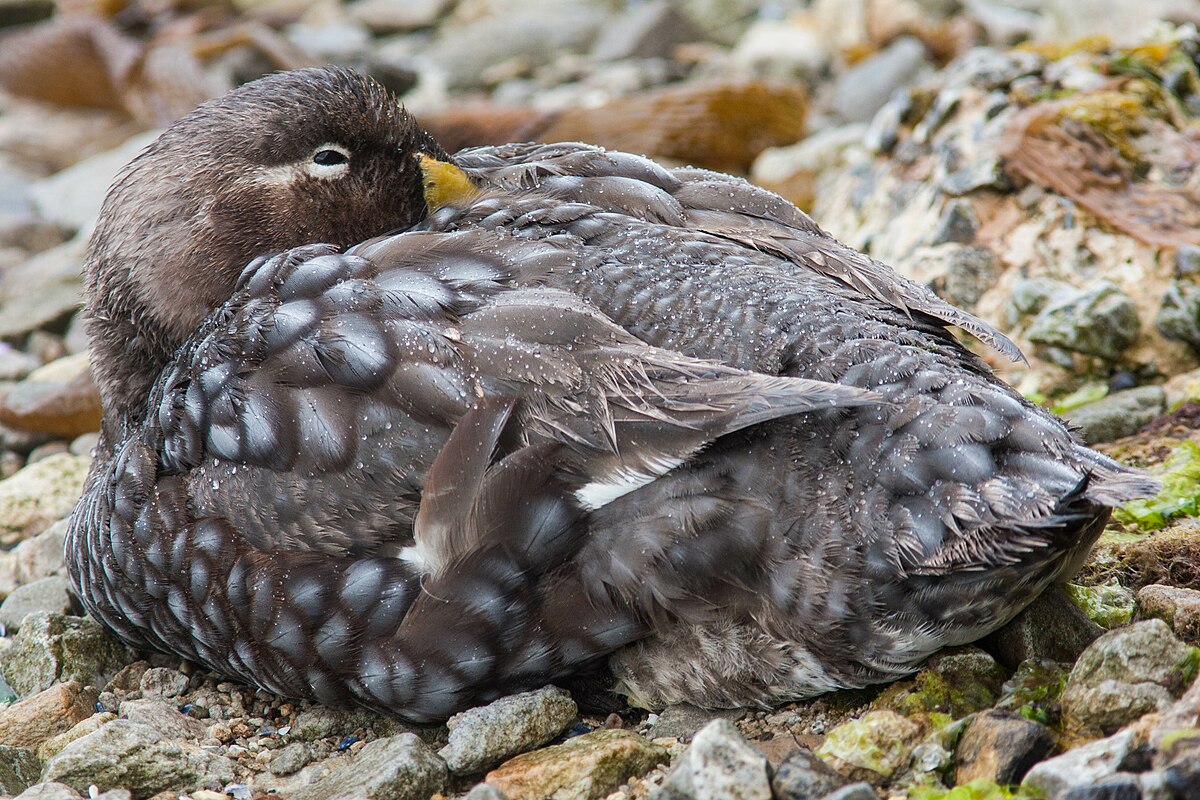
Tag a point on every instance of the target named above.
point(717, 205)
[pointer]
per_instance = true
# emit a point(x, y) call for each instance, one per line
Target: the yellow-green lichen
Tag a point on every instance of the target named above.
point(1108, 605)
point(980, 789)
point(1034, 691)
point(1180, 494)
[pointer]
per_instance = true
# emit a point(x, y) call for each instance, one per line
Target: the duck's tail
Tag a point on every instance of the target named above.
point(1113, 484)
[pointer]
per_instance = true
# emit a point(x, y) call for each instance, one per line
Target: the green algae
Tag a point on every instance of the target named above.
point(1180, 494)
point(953, 685)
point(981, 789)
point(1108, 604)
point(1088, 393)
point(1034, 691)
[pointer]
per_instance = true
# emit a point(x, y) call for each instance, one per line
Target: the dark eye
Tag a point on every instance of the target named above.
point(329, 158)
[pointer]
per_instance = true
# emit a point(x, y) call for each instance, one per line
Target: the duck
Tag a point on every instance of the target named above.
point(398, 429)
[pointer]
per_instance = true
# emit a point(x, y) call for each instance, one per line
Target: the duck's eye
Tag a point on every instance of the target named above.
point(328, 157)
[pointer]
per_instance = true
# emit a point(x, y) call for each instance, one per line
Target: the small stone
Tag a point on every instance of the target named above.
point(48, 595)
point(784, 49)
point(395, 768)
point(484, 791)
point(1081, 766)
point(34, 558)
point(292, 758)
point(855, 791)
point(1126, 673)
point(648, 30)
point(66, 406)
point(127, 754)
point(15, 365)
point(1000, 747)
point(1034, 690)
point(1101, 321)
point(682, 720)
point(1187, 259)
point(39, 495)
point(51, 648)
point(969, 272)
point(958, 223)
point(1119, 786)
point(39, 717)
point(481, 738)
point(19, 769)
point(802, 776)
point(1118, 415)
point(584, 767)
point(388, 16)
point(164, 718)
point(321, 722)
point(871, 748)
point(95, 722)
point(864, 88)
point(719, 765)
point(1052, 627)
point(1175, 605)
point(49, 791)
point(163, 682)
point(1178, 316)
point(72, 196)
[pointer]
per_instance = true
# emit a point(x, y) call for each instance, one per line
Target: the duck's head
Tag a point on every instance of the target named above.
point(315, 155)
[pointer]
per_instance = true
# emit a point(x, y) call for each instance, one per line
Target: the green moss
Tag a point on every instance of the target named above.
point(1088, 393)
point(1180, 494)
point(1190, 667)
point(1034, 689)
point(952, 685)
point(981, 789)
point(1108, 605)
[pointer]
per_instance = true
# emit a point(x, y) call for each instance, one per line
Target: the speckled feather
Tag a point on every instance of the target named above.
point(748, 459)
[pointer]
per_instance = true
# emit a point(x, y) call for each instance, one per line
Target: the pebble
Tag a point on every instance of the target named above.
point(290, 759)
point(47, 595)
point(1081, 766)
point(39, 717)
point(1177, 606)
point(49, 791)
point(396, 768)
point(36, 557)
point(39, 495)
point(1101, 321)
point(719, 765)
point(864, 88)
point(54, 647)
point(1118, 415)
point(872, 748)
point(484, 791)
point(129, 755)
point(388, 16)
point(584, 767)
point(682, 720)
point(164, 718)
point(1000, 747)
point(647, 30)
point(1126, 673)
point(163, 682)
point(782, 49)
point(65, 406)
point(481, 738)
point(15, 364)
point(802, 776)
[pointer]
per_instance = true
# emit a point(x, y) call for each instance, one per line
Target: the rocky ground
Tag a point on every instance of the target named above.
point(1032, 161)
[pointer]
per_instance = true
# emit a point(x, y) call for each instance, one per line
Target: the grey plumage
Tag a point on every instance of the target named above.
point(597, 404)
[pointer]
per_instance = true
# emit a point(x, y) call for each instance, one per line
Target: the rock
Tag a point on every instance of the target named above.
point(864, 88)
point(1052, 627)
point(720, 764)
point(1003, 24)
point(802, 776)
point(871, 748)
point(65, 406)
point(291, 758)
point(49, 791)
point(792, 170)
point(1034, 691)
point(321, 722)
point(1181, 774)
point(1178, 316)
point(1000, 747)
point(1175, 605)
point(46, 594)
point(1081, 766)
point(72, 196)
point(782, 49)
point(39, 717)
point(854, 791)
point(1126, 673)
point(44, 292)
point(19, 769)
point(1118, 786)
point(129, 755)
point(682, 720)
point(395, 768)
point(36, 557)
point(164, 718)
point(1118, 415)
point(958, 224)
point(388, 16)
point(1101, 322)
point(483, 791)
point(584, 767)
point(39, 495)
point(649, 30)
point(1187, 259)
point(163, 682)
point(53, 746)
point(14, 364)
point(955, 683)
point(483, 737)
point(53, 648)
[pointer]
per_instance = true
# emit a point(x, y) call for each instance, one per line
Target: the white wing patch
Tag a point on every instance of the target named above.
point(598, 494)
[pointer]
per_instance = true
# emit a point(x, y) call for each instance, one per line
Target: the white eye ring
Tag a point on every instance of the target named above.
point(328, 161)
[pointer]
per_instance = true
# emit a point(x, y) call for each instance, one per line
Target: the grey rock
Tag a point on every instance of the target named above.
point(990, 68)
point(321, 722)
point(1181, 774)
point(781, 50)
point(130, 755)
point(484, 791)
point(649, 30)
point(1052, 627)
point(34, 558)
point(19, 769)
point(1120, 414)
point(43, 292)
point(720, 764)
point(72, 196)
point(1187, 259)
point(39, 495)
point(1101, 321)
point(291, 758)
point(340, 40)
point(803, 775)
point(49, 791)
point(163, 717)
point(1000, 747)
point(1031, 295)
point(855, 791)
point(396, 768)
point(163, 682)
point(958, 223)
point(959, 273)
point(1080, 766)
point(482, 737)
point(48, 595)
point(1126, 673)
point(864, 88)
point(15, 365)
point(1003, 24)
point(682, 720)
point(1178, 316)
point(53, 647)
point(1119, 786)
point(388, 16)
point(1175, 605)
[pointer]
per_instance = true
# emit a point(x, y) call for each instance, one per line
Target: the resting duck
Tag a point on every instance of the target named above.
point(387, 428)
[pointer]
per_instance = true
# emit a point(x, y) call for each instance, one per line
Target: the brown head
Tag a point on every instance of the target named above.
point(315, 155)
